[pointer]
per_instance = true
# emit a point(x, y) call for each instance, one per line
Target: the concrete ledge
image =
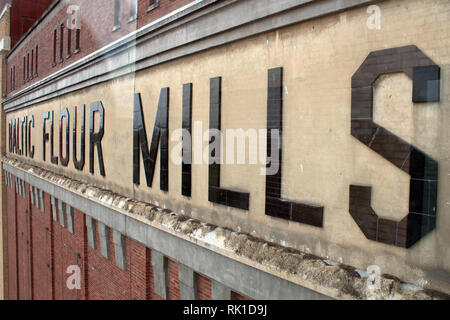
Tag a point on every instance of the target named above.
point(54, 202)
point(219, 291)
point(7, 178)
point(32, 193)
point(188, 282)
point(252, 282)
point(62, 213)
point(36, 197)
point(231, 258)
point(91, 233)
point(70, 220)
point(19, 187)
point(22, 189)
point(120, 250)
point(103, 232)
point(159, 262)
point(42, 200)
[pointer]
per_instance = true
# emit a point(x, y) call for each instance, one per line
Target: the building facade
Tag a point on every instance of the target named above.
point(227, 149)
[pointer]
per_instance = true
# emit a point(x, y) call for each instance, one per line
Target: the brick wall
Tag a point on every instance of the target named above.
point(174, 283)
point(23, 248)
point(97, 22)
point(105, 279)
point(204, 287)
point(40, 250)
point(24, 14)
point(12, 244)
point(237, 296)
point(69, 249)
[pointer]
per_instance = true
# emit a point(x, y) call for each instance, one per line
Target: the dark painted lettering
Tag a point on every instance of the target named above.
point(160, 132)
point(95, 138)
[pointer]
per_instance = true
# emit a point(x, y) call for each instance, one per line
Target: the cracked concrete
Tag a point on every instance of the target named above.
point(342, 281)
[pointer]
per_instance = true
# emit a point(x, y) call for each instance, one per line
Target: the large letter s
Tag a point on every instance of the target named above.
point(423, 170)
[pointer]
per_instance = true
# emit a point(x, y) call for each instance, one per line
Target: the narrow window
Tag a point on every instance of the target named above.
point(28, 66)
point(54, 46)
point(61, 43)
point(24, 69)
point(32, 64)
point(133, 11)
point(11, 80)
point(14, 77)
point(116, 15)
point(77, 41)
point(69, 43)
point(36, 62)
point(153, 5)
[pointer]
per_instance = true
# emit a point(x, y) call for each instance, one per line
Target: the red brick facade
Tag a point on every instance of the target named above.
point(24, 14)
point(11, 223)
point(40, 250)
point(36, 57)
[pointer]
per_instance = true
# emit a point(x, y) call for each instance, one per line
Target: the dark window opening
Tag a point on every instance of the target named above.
point(54, 46)
point(69, 43)
point(153, 5)
point(36, 62)
point(24, 69)
point(32, 64)
point(77, 41)
point(28, 66)
point(61, 44)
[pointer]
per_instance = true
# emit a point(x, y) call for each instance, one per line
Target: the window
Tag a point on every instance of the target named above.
point(24, 69)
point(61, 44)
point(36, 62)
point(54, 46)
point(28, 66)
point(77, 41)
point(153, 5)
point(32, 64)
point(69, 43)
point(133, 11)
point(116, 15)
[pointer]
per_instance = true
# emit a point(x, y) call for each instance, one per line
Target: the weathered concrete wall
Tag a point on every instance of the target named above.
point(321, 158)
